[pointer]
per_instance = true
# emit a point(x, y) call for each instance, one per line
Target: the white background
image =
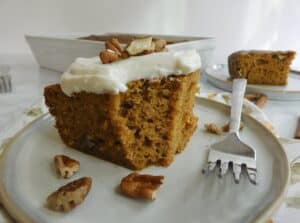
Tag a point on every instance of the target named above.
point(237, 24)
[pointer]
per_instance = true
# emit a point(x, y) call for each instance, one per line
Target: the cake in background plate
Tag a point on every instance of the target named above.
point(134, 111)
point(261, 67)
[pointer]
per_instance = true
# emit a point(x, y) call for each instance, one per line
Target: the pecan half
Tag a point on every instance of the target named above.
point(140, 46)
point(114, 45)
point(70, 195)
point(108, 56)
point(66, 166)
point(142, 186)
point(113, 51)
point(225, 128)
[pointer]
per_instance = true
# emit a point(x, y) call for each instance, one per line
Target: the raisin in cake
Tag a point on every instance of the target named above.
point(134, 112)
point(261, 67)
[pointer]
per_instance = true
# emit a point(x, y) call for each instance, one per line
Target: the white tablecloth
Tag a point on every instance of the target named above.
point(29, 80)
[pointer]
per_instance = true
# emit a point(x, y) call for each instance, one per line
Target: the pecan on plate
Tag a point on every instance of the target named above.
point(258, 99)
point(70, 195)
point(142, 186)
point(225, 128)
point(213, 128)
point(66, 166)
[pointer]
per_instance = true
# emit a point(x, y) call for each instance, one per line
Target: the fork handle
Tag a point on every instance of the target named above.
point(238, 91)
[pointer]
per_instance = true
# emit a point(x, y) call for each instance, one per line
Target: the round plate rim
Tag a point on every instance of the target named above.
point(262, 218)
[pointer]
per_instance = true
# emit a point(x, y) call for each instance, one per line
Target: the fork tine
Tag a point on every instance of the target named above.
point(8, 83)
point(5, 84)
point(4, 89)
point(223, 169)
point(237, 169)
point(1, 88)
point(251, 175)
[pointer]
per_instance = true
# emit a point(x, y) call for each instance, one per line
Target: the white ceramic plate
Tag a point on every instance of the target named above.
point(218, 76)
point(27, 177)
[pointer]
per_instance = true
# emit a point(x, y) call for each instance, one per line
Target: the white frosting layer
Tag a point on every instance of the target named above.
point(90, 75)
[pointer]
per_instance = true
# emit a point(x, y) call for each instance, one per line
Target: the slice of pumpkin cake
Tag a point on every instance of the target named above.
point(261, 66)
point(134, 108)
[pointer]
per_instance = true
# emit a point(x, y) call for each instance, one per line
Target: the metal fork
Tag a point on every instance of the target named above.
point(231, 152)
point(5, 79)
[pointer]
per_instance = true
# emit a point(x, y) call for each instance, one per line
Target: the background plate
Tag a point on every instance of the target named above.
point(218, 76)
point(27, 177)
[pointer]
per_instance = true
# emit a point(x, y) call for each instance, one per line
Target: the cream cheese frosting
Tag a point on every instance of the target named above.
point(90, 75)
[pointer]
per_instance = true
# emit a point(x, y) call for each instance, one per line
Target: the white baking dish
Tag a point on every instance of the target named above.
point(59, 51)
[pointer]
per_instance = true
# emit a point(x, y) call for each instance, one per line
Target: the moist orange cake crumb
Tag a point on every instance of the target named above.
point(145, 125)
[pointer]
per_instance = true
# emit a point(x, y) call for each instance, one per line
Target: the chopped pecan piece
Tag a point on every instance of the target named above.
point(160, 45)
point(258, 99)
point(66, 166)
point(108, 56)
point(225, 128)
point(142, 186)
point(124, 55)
point(114, 45)
point(70, 195)
point(213, 128)
point(113, 52)
point(140, 46)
